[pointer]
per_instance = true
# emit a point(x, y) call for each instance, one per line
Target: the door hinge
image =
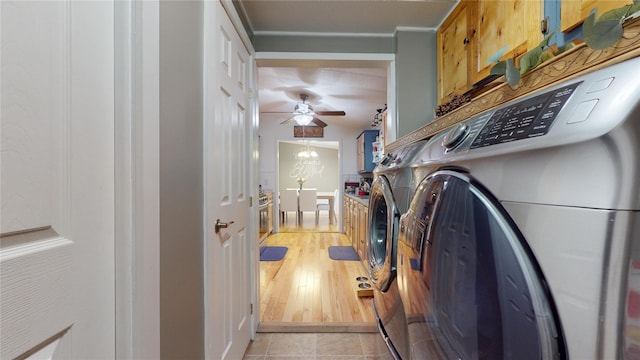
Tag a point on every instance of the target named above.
point(250, 201)
point(251, 309)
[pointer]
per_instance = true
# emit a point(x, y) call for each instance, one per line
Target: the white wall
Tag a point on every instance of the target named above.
point(328, 167)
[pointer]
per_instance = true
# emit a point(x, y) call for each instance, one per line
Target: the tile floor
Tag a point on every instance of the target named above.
point(325, 346)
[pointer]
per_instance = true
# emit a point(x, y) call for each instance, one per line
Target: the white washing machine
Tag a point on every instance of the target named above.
point(522, 240)
point(388, 199)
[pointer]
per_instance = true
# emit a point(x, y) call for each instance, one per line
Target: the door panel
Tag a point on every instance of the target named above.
point(229, 257)
point(57, 171)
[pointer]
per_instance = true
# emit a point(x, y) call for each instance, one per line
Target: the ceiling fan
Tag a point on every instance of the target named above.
point(304, 115)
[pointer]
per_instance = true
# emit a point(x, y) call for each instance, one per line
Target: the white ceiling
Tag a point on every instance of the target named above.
point(357, 89)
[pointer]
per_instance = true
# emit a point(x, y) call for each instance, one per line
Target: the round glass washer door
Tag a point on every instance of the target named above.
point(383, 234)
point(488, 298)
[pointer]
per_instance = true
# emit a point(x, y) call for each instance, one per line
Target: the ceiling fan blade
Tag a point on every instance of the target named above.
point(319, 122)
point(287, 121)
point(331, 113)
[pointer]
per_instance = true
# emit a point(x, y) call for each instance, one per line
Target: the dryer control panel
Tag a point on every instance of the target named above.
point(526, 119)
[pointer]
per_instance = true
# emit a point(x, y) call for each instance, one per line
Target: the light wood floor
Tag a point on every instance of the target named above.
point(309, 292)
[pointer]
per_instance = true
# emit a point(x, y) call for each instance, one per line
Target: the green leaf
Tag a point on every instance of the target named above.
point(589, 22)
point(565, 47)
point(545, 56)
point(499, 68)
point(530, 59)
point(603, 34)
point(513, 74)
point(619, 13)
point(634, 9)
point(545, 41)
point(496, 57)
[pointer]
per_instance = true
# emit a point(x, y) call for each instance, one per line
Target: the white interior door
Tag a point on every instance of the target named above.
point(57, 180)
point(227, 127)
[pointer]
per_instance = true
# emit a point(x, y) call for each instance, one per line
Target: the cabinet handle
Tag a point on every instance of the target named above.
point(466, 41)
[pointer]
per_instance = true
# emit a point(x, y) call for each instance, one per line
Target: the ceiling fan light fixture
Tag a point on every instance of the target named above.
point(303, 109)
point(303, 119)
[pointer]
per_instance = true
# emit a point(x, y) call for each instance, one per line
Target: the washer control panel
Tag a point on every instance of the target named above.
point(399, 157)
point(526, 119)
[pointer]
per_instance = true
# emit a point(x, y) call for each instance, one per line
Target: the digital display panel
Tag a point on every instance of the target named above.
point(526, 119)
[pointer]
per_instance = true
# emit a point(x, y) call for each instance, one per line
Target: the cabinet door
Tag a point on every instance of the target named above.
point(362, 230)
point(573, 12)
point(515, 23)
point(345, 215)
point(453, 53)
point(354, 222)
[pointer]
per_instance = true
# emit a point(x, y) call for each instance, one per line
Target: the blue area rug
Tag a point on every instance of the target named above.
point(272, 253)
point(343, 253)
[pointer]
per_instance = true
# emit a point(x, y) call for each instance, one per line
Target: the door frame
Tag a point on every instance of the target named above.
point(274, 59)
point(137, 227)
point(137, 191)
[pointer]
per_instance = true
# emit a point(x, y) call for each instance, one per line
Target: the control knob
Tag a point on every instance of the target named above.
point(455, 136)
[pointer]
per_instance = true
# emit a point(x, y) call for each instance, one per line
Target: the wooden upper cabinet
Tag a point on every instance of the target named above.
point(476, 30)
point(573, 12)
point(453, 43)
point(515, 23)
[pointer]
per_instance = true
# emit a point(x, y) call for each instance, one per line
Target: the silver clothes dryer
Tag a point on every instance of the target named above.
point(522, 239)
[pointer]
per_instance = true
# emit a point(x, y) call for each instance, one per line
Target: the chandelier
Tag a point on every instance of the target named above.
point(308, 164)
point(307, 153)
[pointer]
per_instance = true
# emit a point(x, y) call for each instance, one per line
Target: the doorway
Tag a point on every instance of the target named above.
point(311, 165)
point(306, 289)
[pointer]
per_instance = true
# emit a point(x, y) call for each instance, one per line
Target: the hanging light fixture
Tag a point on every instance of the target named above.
point(307, 153)
point(308, 164)
point(303, 112)
point(303, 119)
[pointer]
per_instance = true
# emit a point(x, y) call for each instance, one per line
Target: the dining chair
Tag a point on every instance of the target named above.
point(288, 202)
point(307, 201)
point(325, 204)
